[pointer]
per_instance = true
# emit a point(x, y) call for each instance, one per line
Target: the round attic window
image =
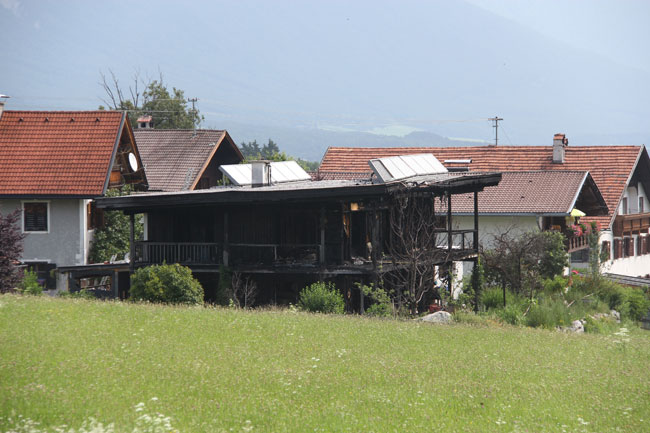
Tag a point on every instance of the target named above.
point(133, 162)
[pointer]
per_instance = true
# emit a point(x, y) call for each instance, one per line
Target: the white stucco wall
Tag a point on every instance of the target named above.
point(635, 266)
point(66, 241)
point(488, 226)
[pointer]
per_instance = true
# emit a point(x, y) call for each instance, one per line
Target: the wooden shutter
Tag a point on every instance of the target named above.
point(35, 217)
point(606, 246)
point(618, 250)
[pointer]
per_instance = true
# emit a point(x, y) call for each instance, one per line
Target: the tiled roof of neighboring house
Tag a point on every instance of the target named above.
point(530, 192)
point(174, 159)
point(57, 153)
point(610, 166)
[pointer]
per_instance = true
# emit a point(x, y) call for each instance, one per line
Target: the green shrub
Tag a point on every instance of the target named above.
point(511, 314)
point(321, 297)
point(380, 310)
point(29, 284)
point(600, 326)
point(555, 285)
point(493, 298)
point(539, 317)
point(382, 305)
point(172, 284)
point(637, 304)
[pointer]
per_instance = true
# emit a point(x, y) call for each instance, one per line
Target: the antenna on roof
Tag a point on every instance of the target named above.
point(193, 100)
point(496, 119)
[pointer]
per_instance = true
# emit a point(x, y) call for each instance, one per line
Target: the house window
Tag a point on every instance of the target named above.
point(641, 207)
point(35, 216)
point(624, 210)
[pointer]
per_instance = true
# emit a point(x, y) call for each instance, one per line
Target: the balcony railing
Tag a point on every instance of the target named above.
point(190, 253)
point(632, 223)
point(576, 243)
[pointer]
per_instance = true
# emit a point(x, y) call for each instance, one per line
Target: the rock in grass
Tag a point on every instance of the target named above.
point(576, 327)
point(438, 317)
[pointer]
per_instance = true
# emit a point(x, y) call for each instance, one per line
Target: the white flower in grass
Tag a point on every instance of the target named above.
point(154, 398)
point(139, 407)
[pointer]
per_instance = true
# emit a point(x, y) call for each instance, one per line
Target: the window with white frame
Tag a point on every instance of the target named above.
point(36, 216)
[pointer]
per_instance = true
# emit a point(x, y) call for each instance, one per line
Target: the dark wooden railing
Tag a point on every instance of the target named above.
point(245, 253)
point(191, 253)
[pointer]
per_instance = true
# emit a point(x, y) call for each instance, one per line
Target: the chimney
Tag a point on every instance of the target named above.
point(144, 122)
point(261, 173)
point(560, 142)
point(3, 98)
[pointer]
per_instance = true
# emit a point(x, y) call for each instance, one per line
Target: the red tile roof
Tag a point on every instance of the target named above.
point(175, 158)
point(610, 166)
point(526, 192)
point(58, 153)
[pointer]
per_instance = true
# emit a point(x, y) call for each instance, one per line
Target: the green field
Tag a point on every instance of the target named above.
point(64, 361)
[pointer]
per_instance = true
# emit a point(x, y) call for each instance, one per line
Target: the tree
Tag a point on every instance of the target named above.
point(243, 290)
point(11, 248)
point(413, 247)
point(113, 239)
point(271, 152)
point(521, 261)
point(169, 109)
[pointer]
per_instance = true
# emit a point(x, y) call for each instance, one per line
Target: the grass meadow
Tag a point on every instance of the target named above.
point(65, 361)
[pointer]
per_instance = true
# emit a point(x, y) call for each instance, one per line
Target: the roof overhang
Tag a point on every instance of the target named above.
point(313, 191)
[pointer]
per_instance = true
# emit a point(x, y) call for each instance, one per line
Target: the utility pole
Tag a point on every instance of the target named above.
point(496, 119)
point(193, 100)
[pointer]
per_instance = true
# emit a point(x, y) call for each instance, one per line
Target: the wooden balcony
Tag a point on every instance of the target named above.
point(185, 253)
point(626, 225)
point(576, 243)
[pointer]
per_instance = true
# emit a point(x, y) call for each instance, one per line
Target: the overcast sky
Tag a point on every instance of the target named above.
point(581, 67)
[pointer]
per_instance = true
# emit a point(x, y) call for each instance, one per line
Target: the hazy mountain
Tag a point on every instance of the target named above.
point(358, 66)
point(311, 144)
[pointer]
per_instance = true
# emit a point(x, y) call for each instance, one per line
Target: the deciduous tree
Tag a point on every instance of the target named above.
point(169, 109)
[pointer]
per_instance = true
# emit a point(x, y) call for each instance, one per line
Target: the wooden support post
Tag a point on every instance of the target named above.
point(476, 221)
point(226, 245)
point(321, 255)
point(132, 244)
point(362, 308)
point(450, 241)
point(449, 234)
point(114, 285)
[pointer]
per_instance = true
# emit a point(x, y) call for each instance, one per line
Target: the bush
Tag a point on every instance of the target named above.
point(555, 285)
point(172, 284)
point(321, 297)
point(382, 305)
point(493, 298)
point(511, 314)
point(637, 304)
point(380, 310)
point(29, 284)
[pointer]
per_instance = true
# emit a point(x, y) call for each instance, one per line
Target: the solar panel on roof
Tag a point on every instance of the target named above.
point(281, 172)
point(406, 166)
